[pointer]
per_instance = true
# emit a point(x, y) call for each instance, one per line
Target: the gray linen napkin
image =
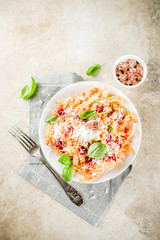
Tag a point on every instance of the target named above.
point(97, 197)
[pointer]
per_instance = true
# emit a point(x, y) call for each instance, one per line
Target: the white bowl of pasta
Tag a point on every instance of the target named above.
point(93, 129)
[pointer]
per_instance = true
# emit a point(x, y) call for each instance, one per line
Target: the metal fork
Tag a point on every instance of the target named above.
point(35, 151)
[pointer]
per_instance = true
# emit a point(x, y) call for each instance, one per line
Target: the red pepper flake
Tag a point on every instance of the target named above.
point(99, 109)
point(60, 112)
point(91, 164)
point(117, 142)
point(76, 116)
point(120, 120)
point(59, 145)
point(124, 137)
point(69, 130)
point(112, 158)
point(86, 158)
point(125, 130)
point(109, 139)
point(82, 150)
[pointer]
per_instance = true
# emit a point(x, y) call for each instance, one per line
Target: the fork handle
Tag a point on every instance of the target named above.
point(71, 192)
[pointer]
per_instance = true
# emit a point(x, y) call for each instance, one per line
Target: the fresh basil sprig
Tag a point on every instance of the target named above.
point(29, 90)
point(110, 128)
point(87, 114)
point(65, 159)
point(93, 70)
point(52, 120)
point(67, 173)
point(68, 169)
point(97, 150)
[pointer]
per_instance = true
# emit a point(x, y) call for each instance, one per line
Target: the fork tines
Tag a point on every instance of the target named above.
point(26, 142)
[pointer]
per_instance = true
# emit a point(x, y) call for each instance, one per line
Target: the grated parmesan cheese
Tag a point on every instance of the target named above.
point(85, 134)
point(57, 131)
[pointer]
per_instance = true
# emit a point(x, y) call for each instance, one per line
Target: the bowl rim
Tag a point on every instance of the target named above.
point(125, 57)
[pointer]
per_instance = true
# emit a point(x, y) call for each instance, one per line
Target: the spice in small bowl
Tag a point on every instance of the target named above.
point(130, 71)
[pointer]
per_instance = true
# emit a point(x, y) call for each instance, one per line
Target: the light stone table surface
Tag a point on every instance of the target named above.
point(45, 37)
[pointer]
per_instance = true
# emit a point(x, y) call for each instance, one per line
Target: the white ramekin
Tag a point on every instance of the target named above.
point(125, 57)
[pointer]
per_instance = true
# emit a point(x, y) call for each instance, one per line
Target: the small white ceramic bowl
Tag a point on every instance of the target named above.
point(125, 57)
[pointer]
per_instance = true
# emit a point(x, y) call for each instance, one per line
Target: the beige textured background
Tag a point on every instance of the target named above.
point(44, 37)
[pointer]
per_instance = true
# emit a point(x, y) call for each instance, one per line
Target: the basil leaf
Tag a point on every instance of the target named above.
point(65, 159)
point(97, 150)
point(87, 114)
point(52, 120)
point(93, 70)
point(67, 173)
point(29, 90)
point(110, 128)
